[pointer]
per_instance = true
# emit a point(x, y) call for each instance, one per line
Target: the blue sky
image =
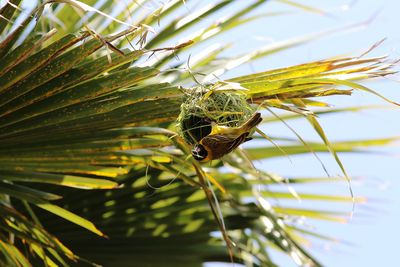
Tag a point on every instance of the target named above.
point(373, 232)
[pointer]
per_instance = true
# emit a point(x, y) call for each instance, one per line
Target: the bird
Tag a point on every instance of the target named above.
point(223, 140)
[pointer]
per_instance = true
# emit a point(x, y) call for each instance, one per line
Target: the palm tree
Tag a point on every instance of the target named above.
point(92, 168)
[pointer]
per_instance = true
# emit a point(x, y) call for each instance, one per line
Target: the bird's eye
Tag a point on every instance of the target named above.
point(199, 152)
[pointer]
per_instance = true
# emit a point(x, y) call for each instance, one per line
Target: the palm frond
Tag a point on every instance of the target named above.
point(87, 134)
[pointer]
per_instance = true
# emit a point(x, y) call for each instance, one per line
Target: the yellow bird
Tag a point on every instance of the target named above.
point(223, 140)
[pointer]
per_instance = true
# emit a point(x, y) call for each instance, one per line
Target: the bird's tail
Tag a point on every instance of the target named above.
point(252, 122)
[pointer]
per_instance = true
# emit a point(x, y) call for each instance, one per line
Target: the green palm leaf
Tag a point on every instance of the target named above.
point(92, 104)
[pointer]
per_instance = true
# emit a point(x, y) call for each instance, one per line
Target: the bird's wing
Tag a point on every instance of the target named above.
point(223, 144)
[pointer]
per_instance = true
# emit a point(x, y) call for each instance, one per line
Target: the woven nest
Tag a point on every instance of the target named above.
point(201, 106)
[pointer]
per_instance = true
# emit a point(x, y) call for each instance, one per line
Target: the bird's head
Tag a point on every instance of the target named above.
point(199, 152)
